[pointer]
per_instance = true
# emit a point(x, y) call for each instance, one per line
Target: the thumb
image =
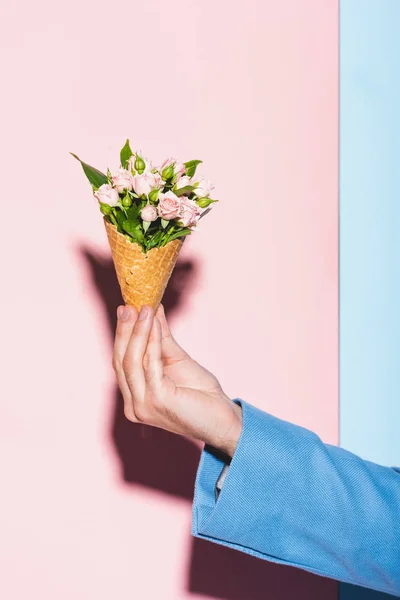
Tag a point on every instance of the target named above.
point(170, 349)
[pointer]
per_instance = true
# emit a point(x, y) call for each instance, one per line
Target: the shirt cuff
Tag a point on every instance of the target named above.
point(221, 480)
point(212, 476)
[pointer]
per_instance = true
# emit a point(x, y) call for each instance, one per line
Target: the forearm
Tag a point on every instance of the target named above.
point(291, 499)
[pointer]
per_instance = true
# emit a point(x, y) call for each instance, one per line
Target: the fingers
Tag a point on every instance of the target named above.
point(170, 349)
point(135, 353)
point(153, 365)
point(138, 356)
point(127, 316)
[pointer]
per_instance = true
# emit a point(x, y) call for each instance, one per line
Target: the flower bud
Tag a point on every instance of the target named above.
point(105, 208)
point(149, 213)
point(168, 172)
point(126, 202)
point(140, 165)
point(153, 196)
point(204, 202)
point(107, 195)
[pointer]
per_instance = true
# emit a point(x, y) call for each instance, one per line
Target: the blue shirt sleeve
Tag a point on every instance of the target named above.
point(291, 499)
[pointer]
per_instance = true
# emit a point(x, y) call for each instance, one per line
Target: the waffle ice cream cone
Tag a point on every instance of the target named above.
point(142, 277)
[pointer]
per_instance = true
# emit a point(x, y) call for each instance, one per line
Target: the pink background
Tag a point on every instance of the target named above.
point(94, 507)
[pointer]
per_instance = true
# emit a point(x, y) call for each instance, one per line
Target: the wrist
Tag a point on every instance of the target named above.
point(228, 442)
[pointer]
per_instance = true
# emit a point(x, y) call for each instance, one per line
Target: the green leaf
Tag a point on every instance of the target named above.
point(133, 212)
point(164, 223)
point(125, 154)
point(129, 226)
point(191, 167)
point(139, 235)
point(134, 229)
point(185, 191)
point(177, 234)
point(154, 227)
point(113, 219)
point(120, 216)
point(96, 178)
point(128, 237)
point(153, 241)
point(146, 225)
point(204, 202)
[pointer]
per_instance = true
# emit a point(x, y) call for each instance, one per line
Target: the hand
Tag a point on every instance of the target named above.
point(164, 387)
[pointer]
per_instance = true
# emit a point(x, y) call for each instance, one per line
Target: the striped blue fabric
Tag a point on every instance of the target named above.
point(291, 499)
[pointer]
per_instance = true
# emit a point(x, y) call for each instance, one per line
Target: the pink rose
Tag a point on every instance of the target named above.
point(183, 182)
point(122, 180)
point(167, 163)
point(107, 195)
point(143, 184)
point(190, 212)
point(158, 180)
point(179, 170)
point(169, 206)
point(149, 213)
point(203, 189)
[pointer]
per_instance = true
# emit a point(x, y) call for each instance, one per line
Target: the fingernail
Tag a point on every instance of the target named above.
point(123, 313)
point(143, 313)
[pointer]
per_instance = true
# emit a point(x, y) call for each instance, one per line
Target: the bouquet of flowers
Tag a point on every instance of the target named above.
point(148, 211)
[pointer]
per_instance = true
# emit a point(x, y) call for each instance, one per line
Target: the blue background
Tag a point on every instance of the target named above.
point(370, 234)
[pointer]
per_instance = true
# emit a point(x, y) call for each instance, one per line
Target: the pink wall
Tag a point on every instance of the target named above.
point(92, 506)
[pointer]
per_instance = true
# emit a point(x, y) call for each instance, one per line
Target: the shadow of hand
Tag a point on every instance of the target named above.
point(152, 457)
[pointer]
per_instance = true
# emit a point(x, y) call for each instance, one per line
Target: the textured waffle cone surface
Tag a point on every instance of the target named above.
point(142, 277)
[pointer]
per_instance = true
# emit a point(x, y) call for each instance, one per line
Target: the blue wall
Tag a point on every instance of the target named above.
point(370, 234)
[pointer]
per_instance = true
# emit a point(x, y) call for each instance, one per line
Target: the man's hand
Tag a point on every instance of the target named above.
point(164, 387)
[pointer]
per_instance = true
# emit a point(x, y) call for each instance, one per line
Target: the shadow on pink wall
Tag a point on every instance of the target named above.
point(165, 462)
